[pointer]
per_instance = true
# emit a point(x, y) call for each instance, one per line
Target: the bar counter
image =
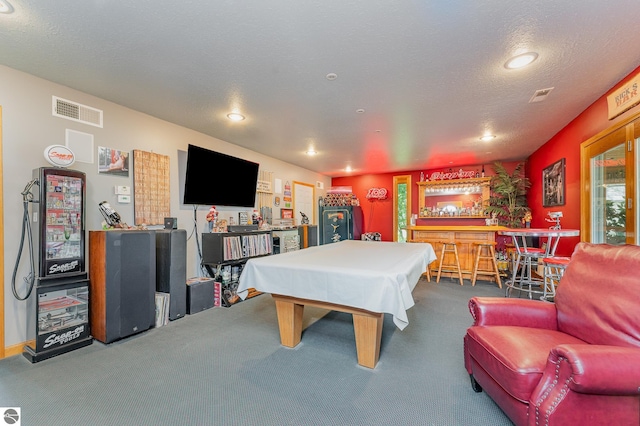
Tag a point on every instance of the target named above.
point(463, 235)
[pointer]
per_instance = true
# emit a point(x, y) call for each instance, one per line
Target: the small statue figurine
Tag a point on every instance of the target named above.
point(527, 219)
point(212, 218)
point(305, 219)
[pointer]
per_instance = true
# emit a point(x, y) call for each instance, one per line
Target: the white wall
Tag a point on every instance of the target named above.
point(28, 127)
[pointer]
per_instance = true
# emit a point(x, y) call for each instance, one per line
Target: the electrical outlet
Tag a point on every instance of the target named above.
point(124, 199)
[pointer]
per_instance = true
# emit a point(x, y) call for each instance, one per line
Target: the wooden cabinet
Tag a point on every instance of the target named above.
point(122, 271)
point(457, 198)
point(465, 236)
point(308, 235)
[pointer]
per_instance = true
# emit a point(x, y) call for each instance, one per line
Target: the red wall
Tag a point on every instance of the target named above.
point(378, 215)
point(566, 144)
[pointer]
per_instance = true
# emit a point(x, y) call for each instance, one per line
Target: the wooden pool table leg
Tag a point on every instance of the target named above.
point(289, 322)
point(367, 326)
point(368, 331)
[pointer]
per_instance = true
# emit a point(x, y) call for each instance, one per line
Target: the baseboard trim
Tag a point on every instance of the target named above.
point(17, 349)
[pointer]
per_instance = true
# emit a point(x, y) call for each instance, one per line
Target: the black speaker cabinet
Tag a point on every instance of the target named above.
point(171, 269)
point(199, 294)
point(122, 273)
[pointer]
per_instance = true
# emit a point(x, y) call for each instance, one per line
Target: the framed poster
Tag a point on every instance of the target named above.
point(286, 213)
point(113, 161)
point(553, 185)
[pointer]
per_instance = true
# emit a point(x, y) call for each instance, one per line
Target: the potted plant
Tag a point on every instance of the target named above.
point(508, 199)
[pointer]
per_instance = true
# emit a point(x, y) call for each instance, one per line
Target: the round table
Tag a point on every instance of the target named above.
point(521, 277)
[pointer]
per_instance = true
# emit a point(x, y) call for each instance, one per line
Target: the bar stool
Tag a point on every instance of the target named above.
point(523, 279)
point(553, 270)
point(449, 247)
point(428, 271)
point(485, 251)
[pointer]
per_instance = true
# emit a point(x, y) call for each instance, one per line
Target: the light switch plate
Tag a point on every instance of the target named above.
point(124, 199)
point(123, 190)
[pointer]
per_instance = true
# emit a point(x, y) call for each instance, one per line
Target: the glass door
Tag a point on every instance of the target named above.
point(608, 170)
point(609, 197)
point(401, 207)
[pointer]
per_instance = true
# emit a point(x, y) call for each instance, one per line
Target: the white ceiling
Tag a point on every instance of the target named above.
point(429, 74)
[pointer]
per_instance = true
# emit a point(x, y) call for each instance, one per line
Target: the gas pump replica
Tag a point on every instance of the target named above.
point(58, 269)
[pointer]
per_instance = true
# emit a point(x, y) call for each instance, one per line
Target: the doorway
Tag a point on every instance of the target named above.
point(401, 207)
point(608, 188)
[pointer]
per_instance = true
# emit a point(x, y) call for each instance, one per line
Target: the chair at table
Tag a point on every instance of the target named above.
point(553, 270)
point(527, 259)
point(450, 247)
point(485, 251)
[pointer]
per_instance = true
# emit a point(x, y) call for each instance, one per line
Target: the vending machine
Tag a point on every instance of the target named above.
point(61, 283)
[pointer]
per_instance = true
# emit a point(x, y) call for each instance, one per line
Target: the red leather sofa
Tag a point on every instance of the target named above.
point(572, 362)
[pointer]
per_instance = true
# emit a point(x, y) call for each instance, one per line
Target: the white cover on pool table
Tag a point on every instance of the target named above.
point(372, 275)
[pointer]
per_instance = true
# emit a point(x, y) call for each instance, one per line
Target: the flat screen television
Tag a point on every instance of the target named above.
point(213, 178)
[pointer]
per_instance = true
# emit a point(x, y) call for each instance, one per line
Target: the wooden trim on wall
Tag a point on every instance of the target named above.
point(18, 348)
point(2, 350)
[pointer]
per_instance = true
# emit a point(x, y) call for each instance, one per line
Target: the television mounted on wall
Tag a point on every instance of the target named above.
point(213, 178)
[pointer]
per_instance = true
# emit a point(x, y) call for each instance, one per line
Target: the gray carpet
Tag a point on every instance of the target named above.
point(226, 367)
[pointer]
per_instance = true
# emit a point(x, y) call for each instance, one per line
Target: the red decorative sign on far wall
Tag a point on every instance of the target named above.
point(377, 194)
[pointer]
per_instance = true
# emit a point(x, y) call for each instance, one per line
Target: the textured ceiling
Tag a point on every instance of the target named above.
point(428, 74)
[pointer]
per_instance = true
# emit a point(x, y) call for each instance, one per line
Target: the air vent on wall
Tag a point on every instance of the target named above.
point(70, 110)
point(540, 95)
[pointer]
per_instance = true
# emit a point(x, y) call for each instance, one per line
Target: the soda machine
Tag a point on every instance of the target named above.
point(57, 198)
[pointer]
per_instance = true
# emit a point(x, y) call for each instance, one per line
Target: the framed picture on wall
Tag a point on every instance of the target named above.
point(553, 185)
point(113, 161)
point(286, 213)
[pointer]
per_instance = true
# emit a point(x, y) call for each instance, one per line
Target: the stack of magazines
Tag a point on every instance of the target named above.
point(162, 309)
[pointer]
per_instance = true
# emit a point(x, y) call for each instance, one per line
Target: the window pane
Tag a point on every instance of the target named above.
point(608, 197)
point(401, 194)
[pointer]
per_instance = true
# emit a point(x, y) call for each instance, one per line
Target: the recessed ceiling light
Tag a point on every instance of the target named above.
point(332, 76)
point(360, 110)
point(311, 151)
point(235, 116)
point(486, 138)
point(520, 61)
point(5, 7)
point(348, 169)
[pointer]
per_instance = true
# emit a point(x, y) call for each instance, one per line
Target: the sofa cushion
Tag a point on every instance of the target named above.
point(598, 296)
point(514, 357)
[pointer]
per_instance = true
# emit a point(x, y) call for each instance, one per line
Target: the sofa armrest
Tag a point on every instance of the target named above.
point(597, 369)
point(518, 312)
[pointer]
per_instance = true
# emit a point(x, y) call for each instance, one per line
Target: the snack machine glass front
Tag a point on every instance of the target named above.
point(61, 215)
